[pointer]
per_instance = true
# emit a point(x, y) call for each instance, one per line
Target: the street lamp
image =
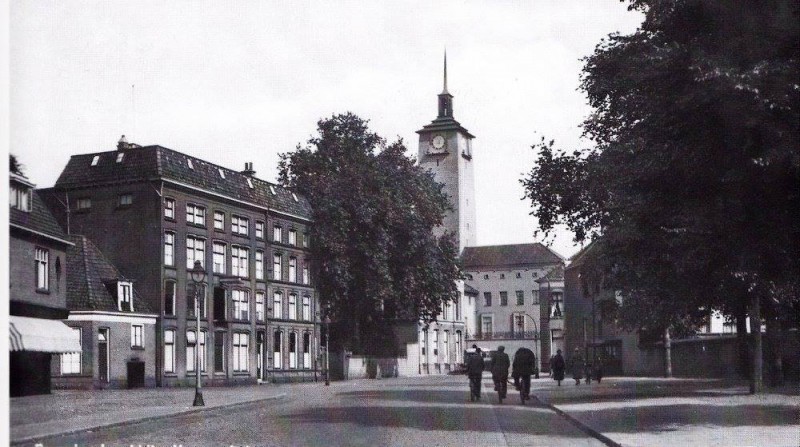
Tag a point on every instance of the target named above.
point(327, 343)
point(535, 335)
point(198, 275)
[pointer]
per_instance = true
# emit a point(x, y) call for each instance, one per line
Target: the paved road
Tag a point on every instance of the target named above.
point(412, 412)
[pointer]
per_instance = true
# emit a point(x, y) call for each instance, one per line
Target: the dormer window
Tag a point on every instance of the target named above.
point(294, 196)
point(125, 296)
point(20, 197)
point(95, 160)
point(250, 183)
point(221, 173)
point(190, 164)
point(120, 156)
point(272, 189)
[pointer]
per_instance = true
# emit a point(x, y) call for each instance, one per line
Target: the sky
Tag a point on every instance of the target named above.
point(236, 82)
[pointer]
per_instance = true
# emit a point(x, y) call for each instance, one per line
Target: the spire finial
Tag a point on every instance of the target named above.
point(445, 71)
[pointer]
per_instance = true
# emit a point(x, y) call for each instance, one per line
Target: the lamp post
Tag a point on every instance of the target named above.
point(327, 343)
point(198, 275)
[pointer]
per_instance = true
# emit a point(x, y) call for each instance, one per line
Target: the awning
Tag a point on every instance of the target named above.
point(37, 334)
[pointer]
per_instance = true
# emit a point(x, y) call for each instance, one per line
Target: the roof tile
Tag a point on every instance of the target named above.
point(509, 255)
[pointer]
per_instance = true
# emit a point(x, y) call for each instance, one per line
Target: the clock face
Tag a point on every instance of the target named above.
point(438, 142)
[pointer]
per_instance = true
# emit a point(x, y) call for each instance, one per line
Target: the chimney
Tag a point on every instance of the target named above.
point(248, 169)
point(122, 143)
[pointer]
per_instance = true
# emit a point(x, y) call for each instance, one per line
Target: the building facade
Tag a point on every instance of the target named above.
point(513, 301)
point(37, 291)
point(154, 212)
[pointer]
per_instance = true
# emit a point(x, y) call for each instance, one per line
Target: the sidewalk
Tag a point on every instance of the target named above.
point(671, 412)
point(70, 411)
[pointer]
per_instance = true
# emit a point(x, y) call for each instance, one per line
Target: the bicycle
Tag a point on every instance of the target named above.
point(523, 395)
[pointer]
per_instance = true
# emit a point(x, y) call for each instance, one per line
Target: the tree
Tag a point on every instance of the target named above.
point(691, 187)
point(14, 165)
point(377, 260)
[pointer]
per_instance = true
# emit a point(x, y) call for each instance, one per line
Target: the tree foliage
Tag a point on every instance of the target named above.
point(14, 165)
point(691, 189)
point(377, 259)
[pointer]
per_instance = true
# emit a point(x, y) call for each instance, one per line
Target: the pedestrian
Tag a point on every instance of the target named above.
point(598, 368)
point(475, 372)
point(557, 367)
point(576, 366)
point(500, 364)
point(523, 367)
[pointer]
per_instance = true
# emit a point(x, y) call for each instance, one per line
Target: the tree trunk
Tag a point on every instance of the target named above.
point(743, 364)
point(757, 380)
point(667, 354)
point(774, 336)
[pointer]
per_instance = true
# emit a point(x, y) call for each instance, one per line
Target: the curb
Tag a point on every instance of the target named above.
point(36, 438)
point(583, 427)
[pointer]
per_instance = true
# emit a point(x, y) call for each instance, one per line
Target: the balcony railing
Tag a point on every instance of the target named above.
point(507, 335)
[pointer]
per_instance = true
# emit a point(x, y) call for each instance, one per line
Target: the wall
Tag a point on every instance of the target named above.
point(22, 271)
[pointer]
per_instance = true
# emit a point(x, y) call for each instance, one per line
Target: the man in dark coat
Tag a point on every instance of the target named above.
point(523, 367)
point(577, 366)
point(500, 364)
point(475, 372)
point(557, 365)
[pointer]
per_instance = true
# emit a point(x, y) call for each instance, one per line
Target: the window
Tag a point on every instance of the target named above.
point(241, 304)
point(292, 350)
point(292, 237)
point(435, 342)
point(221, 173)
point(423, 337)
point(169, 298)
point(485, 276)
point(307, 308)
point(292, 269)
point(250, 183)
point(306, 358)
point(240, 351)
point(125, 200)
point(292, 306)
point(169, 208)
point(259, 230)
point(120, 156)
point(190, 164)
point(42, 259)
point(169, 351)
point(195, 214)
point(306, 276)
point(445, 346)
point(486, 325)
point(84, 204)
point(259, 264)
point(260, 306)
point(191, 347)
point(219, 250)
point(95, 160)
point(502, 276)
point(520, 298)
point(240, 225)
point(556, 306)
point(504, 298)
point(20, 198)
point(276, 267)
point(457, 306)
point(240, 259)
point(535, 295)
point(277, 350)
point(219, 220)
point(277, 305)
point(169, 248)
point(519, 275)
point(535, 274)
point(459, 352)
point(124, 296)
point(487, 299)
point(137, 336)
point(294, 196)
point(277, 234)
point(306, 240)
point(195, 251)
point(272, 189)
point(71, 361)
point(219, 352)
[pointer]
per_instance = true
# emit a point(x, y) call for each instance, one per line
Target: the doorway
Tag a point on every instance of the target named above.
point(102, 355)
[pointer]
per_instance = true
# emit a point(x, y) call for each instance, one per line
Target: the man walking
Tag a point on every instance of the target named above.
point(500, 365)
point(475, 372)
point(523, 367)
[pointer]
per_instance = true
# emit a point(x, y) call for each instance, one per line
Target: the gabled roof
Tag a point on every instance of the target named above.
point(38, 220)
point(159, 163)
point(579, 258)
point(557, 274)
point(90, 275)
point(469, 290)
point(494, 256)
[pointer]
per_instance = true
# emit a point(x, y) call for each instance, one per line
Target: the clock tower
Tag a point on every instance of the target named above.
point(445, 148)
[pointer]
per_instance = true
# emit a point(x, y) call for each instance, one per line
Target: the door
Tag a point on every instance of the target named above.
point(260, 356)
point(102, 354)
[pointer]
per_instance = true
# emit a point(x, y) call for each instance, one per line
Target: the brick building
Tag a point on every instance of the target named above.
point(153, 212)
point(117, 327)
point(37, 291)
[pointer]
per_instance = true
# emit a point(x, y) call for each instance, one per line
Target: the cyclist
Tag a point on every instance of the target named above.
point(475, 372)
point(500, 364)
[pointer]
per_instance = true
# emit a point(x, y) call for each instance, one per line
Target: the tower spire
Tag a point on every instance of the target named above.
point(445, 72)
